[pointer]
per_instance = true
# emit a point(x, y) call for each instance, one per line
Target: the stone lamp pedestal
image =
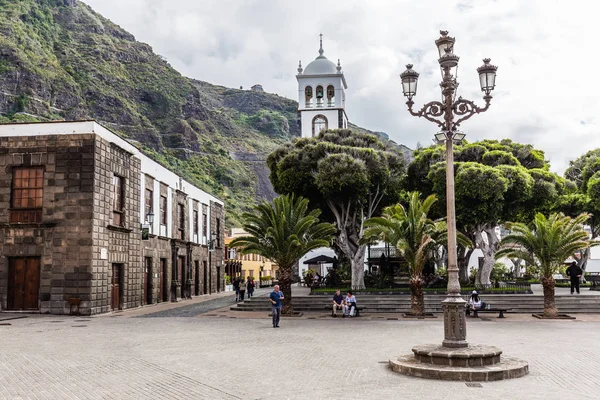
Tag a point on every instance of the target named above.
point(474, 363)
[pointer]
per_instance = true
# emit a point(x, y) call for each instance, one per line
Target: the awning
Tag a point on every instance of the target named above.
point(322, 259)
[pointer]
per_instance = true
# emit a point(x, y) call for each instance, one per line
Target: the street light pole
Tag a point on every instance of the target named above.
point(455, 330)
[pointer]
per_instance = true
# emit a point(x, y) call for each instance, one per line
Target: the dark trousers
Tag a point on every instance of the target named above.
point(276, 315)
point(574, 284)
point(242, 293)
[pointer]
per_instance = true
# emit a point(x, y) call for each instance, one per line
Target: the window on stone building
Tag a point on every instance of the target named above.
point(163, 210)
point(118, 200)
point(196, 222)
point(204, 225)
point(27, 195)
point(148, 203)
point(181, 219)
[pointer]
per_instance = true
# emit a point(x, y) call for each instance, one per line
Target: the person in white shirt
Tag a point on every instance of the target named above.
point(474, 303)
point(349, 304)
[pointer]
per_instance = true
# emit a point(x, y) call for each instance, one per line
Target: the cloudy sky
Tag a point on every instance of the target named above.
point(547, 93)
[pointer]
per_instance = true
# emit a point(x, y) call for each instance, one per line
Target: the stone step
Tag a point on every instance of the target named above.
point(401, 304)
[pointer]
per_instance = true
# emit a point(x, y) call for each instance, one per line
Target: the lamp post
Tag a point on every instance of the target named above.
point(448, 115)
point(211, 248)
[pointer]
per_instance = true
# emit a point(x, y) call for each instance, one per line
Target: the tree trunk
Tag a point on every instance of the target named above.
point(582, 262)
point(417, 296)
point(489, 249)
point(285, 285)
point(356, 254)
point(464, 255)
point(517, 262)
point(550, 310)
point(358, 268)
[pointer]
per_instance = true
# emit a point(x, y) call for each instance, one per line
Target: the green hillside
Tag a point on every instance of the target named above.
point(61, 60)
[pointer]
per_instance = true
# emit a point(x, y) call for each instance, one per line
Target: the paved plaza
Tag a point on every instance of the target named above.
point(221, 354)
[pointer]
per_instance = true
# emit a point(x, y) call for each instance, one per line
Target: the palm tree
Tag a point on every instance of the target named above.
point(283, 232)
point(547, 243)
point(413, 234)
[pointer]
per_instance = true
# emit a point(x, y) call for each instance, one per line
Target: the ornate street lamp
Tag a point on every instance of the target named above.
point(443, 114)
point(448, 115)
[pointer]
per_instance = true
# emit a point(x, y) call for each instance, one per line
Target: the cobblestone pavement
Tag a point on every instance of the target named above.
point(196, 309)
point(53, 357)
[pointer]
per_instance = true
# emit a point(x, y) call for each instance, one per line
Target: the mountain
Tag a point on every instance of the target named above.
point(61, 60)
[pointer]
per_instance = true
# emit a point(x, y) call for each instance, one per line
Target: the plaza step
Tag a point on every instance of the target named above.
point(528, 303)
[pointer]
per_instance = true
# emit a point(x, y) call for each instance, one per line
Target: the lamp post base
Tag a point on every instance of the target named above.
point(474, 363)
point(455, 324)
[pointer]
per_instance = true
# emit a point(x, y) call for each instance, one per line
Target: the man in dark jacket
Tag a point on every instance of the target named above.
point(574, 272)
point(236, 286)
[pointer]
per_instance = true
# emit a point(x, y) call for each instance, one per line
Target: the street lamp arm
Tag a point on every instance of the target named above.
point(466, 109)
point(429, 111)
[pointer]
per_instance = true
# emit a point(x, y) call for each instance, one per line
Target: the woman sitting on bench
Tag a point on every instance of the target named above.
point(474, 303)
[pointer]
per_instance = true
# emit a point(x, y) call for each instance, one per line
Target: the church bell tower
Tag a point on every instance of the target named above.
point(321, 95)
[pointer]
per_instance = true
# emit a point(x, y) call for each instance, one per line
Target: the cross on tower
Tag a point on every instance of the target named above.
point(321, 48)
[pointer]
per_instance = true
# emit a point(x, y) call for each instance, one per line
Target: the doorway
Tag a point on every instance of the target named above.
point(23, 283)
point(197, 278)
point(180, 271)
point(218, 279)
point(205, 280)
point(162, 291)
point(148, 274)
point(117, 270)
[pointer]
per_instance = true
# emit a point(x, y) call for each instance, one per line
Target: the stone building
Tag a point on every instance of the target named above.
point(74, 198)
point(245, 265)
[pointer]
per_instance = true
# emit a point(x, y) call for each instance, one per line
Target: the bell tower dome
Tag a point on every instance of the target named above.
point(321, 95)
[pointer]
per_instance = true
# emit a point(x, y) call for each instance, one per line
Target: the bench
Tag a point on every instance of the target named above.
point(357, 310)
point(594, 278)
point(501, 311)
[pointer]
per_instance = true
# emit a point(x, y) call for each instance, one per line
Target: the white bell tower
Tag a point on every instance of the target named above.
point(321, 95)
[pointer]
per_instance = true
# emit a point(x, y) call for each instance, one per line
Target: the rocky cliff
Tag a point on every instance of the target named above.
point(61, 60)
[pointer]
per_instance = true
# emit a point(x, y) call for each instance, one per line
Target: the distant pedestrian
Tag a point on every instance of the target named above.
point(574, 272)
point(236, 286)
point(250, 287)
point(242, 289)
point(276, 297)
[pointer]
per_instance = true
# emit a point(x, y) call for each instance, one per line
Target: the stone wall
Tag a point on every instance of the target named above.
point(63, 240)
point(116, 244)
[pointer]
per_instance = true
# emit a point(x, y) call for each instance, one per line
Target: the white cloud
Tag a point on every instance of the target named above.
point(547, 93)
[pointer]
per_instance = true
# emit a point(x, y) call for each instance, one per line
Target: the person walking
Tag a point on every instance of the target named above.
point(276, 297)
point(250, 287)
point(236, 286)
point(574, 272)
point(242, 289)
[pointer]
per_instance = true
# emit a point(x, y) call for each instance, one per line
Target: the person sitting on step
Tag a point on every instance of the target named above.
point(338, 302)
point(350, 304)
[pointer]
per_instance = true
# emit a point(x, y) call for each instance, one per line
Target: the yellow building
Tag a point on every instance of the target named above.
point(245, 265)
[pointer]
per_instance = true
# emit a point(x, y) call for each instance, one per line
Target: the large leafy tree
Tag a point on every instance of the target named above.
point(413, 233)
point(495, 181)
point(547, 243)
point(283, 232)
point(350, 175)
point(584, 172)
